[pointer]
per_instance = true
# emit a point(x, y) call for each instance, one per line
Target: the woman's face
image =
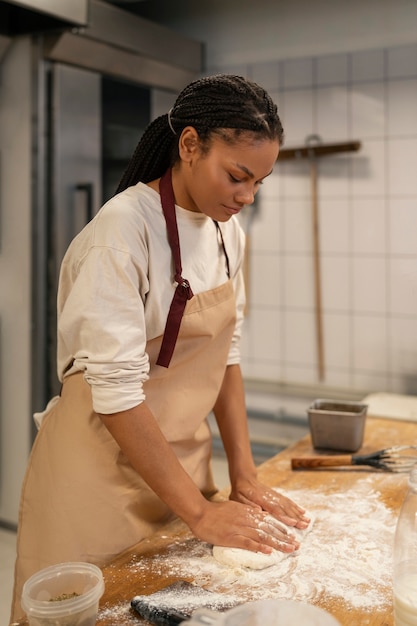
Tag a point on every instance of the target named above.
point(221, 181)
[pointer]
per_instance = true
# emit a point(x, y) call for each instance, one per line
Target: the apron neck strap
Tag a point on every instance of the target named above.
point(183, 290)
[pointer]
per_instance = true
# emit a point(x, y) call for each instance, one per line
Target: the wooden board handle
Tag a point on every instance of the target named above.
point(313, 462)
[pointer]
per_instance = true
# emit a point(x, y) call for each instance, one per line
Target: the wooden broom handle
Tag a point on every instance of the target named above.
point(312, 462)
point(317, 273)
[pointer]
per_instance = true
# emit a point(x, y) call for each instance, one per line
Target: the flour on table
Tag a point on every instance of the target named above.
point(238, 557)
point(346, 559)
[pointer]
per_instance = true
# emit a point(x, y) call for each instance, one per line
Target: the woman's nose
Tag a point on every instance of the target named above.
point(246, 195)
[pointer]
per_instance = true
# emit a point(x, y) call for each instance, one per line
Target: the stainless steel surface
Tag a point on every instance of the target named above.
point(104, 38)
point(4, 44)
point(23, 16)
point(76, 151)
point(120, 44)
point(335, 406)
point(40, 229)
point(50, 127)
point(72, 10)
point(75, 180)
point(93, 55)
point(116, 46)
point(120, 28)
point(336, 425)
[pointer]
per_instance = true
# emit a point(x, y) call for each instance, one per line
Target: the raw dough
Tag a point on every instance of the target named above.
point(237, 557)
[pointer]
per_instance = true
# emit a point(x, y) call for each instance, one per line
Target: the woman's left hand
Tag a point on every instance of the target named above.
point(254, 493)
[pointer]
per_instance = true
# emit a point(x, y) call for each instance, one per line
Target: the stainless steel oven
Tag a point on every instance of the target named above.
point(78, 91)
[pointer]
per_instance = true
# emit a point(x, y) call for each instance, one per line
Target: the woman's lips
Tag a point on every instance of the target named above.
point(232, 209)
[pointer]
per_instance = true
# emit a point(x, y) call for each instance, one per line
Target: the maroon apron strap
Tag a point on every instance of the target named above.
point(183, 290)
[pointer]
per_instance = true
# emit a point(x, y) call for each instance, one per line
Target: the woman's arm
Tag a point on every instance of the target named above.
point(231, 417)
point(234, 524)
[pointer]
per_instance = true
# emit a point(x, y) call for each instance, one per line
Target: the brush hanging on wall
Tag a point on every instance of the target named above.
point(312, 150)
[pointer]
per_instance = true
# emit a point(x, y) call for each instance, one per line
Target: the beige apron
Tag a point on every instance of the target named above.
point(81, 499)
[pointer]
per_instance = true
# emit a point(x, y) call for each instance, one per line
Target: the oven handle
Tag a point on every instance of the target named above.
point(87, 189)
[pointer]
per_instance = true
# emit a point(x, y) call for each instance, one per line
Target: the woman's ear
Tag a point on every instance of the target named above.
point(188, 143)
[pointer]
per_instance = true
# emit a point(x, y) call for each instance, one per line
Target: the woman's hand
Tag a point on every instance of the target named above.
point(263, 502)
point(246, 526)
point(256, 494)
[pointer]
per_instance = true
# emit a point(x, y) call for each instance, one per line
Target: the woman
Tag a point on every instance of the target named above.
point(150, 309)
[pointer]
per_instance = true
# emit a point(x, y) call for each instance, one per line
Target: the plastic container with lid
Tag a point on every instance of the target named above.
point(66, 594)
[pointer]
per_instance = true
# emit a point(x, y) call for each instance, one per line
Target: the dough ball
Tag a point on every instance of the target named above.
point(238, 557)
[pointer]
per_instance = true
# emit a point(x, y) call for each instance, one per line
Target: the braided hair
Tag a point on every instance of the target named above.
point(210, 105)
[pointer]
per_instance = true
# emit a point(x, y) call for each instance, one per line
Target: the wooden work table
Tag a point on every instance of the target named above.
point(125, 577)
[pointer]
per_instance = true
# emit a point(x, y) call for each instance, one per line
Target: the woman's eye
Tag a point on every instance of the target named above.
point(234, 179)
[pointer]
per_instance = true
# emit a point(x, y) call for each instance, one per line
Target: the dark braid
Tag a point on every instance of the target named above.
point(210, 105)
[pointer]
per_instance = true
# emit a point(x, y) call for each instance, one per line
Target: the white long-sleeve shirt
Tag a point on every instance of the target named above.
point(116, 286)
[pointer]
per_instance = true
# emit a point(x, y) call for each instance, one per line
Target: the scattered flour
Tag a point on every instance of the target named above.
point(119, 614)
point(346, 557)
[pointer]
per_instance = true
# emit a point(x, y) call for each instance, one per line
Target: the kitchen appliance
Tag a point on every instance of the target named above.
point(77, 93)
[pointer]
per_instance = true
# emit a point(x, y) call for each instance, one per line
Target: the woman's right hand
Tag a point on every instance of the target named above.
point(236, 525)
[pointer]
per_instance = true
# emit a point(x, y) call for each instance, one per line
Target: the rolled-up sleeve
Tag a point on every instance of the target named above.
point(116, 287)
point(102, 325)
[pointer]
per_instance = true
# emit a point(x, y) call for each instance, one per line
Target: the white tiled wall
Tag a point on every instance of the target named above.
point(368, 225)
